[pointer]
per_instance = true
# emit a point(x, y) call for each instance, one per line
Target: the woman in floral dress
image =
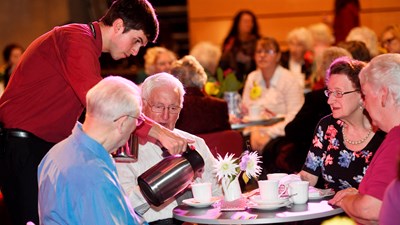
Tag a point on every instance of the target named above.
point(345, 141)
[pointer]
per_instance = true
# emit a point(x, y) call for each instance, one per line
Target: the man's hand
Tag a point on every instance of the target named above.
point(175, 143)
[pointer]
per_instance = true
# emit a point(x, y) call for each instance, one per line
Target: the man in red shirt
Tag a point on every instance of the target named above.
point(46, 95)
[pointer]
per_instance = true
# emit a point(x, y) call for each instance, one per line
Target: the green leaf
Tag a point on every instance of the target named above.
point(220, 75)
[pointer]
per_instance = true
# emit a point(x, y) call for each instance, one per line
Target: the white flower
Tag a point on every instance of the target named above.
point(226, 167)
point(249, 164)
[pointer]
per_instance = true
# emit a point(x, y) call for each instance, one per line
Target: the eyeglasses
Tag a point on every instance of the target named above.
point(265, 51)
point(388, 41)
point(159, 108)
point(139, 120)
point(338, 94)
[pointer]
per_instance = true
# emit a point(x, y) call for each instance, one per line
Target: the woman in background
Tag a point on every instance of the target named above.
point(157, 60)
point(298, 59)
point(11, 54)
point(390, 39)
point(208, 56)
point(238, 47)
point(200, 113)
point(272, 88)
point(366, 35)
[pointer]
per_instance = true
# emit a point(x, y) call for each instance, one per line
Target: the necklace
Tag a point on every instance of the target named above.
point(358, 141)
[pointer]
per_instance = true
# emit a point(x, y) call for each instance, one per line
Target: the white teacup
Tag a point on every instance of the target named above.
point(269, 190)
point(255, 112)
point(276, 176)
point(299, 191)
point(201, 192)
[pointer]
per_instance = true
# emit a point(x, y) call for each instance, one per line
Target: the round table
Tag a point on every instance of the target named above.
point(213, 215)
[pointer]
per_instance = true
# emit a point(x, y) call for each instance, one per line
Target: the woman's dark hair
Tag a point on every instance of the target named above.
point(136, 14)
point(269, 42)
point(234, 31)
point(358, 50)
point(347, 66)
point(8, 49)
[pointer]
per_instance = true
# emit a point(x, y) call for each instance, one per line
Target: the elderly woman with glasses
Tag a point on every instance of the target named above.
point(380, 83)
point(345, 141)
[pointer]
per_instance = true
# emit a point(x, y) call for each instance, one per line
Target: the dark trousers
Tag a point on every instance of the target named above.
point(19, 159)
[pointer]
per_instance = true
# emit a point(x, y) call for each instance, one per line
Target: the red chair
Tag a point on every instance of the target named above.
point(222, 142)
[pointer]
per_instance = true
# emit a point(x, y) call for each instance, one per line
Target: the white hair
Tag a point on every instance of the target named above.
point(113, 97)
point(366, 35)
point(162, 80)
point(303, 35)
point(383, 71)
point(321, 33)
point(189, 71)
point(207, 54)
point(151, 56)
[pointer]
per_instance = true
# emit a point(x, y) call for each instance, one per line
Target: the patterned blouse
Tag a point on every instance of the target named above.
point(328, 156)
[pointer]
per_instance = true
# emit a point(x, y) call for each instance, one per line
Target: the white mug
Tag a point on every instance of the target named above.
point(269, 190)
point(299, 191)
point(276, 176)
point(201, 192)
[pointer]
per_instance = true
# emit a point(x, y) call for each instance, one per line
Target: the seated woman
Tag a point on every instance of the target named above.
point(274, 89)
point(208, 56)
point(390, 38)
point(200, 113)
point(298, 58)
point(380, 84)
point(156, 60)
point(345, 141)
point(288, 153)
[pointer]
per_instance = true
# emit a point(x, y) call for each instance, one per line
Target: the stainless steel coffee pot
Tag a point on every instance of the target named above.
point(129, 152)
point(170, 176)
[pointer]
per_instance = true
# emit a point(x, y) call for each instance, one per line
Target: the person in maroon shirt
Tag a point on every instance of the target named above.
point(347, 16)
point(46, 95)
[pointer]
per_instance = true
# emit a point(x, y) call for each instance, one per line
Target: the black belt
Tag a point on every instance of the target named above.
point(16, 133)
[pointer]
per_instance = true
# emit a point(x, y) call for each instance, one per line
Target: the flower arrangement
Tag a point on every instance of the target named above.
point(224, 81)
point(229, 168)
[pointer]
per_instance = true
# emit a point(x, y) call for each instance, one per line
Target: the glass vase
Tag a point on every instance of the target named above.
point(234, 101)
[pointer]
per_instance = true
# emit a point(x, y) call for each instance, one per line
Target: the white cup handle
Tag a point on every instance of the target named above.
point(282, 192)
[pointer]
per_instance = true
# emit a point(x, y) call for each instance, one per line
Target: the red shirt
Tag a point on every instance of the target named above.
point(47, 91)
point(383, 167)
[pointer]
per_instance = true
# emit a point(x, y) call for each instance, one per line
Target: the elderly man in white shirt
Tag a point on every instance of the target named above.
point(162, 96)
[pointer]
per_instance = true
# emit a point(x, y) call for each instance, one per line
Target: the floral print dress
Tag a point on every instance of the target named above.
point(328, 156)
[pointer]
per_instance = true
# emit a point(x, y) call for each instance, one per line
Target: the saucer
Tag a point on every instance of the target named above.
point(257, 199)
point(269, 207)
point(317, 194)
point(196, 204)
